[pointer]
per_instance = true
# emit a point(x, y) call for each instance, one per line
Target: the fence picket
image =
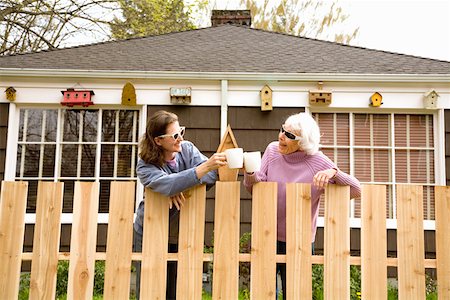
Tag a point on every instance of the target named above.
point(337, 243)
point(264, 238)
point(154, 246)
point(298, 241)
point(13, 202)
point(226, 241)
point(83, 240)
point(442, 208)
point(46, 240)
point(190, 245)
point(119, 241)
point(410, 243)
point(373, 242)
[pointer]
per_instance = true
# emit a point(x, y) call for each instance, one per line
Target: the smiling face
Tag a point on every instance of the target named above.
point(286, 145)
point(170, 145)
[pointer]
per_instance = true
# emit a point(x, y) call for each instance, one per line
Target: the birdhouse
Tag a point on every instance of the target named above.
point(228, 141)
point(375, 99)
point(319, 96)
point(180, 95)
point(430, 99)
point(72, 97)
point(10, 93)
point(266, 98)
point(129, 94)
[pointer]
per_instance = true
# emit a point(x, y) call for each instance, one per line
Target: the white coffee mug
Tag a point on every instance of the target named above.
point(235, 158)
point(252, 161)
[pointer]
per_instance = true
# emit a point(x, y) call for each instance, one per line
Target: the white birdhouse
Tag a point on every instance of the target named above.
point(430, 99)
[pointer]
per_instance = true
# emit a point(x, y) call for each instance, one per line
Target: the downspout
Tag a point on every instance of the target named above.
point(223, 108)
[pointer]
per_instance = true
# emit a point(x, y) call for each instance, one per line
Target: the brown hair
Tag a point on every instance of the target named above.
point(150, 152)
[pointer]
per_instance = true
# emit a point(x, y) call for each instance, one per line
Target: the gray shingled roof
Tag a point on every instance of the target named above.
point(227, 48)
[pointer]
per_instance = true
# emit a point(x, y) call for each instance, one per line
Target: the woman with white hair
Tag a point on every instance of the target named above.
point(295, 157)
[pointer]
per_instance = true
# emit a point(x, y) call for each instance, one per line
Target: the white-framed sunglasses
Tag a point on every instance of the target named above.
point(289, 135)
point(175, 135)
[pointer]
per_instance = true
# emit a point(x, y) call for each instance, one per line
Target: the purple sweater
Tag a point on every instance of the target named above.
point(297, 167)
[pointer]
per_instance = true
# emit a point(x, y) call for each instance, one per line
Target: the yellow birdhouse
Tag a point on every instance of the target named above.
point(129, 94)
point(375, 99)
point(320, 96)
point(10, 93)
point(266, 98)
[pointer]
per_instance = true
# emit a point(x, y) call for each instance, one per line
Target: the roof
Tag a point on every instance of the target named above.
point(226, 48)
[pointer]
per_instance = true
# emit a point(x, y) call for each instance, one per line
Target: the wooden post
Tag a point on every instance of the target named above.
point(154, 246)
point(264, 239)
point(442, 209)
point(13, 203)
point(373, 242)
point(337, 243)
point(190, 246)
point(410, 243)
point(226, 241)
point(47, 231)
point(298, 241)
point(120, 240)
point(83, 240)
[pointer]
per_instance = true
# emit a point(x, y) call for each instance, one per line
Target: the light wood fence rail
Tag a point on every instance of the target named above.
point(263, 258)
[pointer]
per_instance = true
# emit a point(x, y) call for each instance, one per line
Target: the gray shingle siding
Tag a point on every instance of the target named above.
point(226, 48)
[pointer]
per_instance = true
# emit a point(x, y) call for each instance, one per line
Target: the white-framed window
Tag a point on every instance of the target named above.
point(383, 148)
point(68, 145)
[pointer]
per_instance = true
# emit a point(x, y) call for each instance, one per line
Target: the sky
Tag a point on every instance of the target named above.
point(414, 27)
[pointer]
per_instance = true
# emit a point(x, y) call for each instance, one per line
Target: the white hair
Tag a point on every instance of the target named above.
point(308, 129)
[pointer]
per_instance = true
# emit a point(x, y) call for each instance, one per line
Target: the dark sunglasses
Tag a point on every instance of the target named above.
point(289, 135)
point(175, 135)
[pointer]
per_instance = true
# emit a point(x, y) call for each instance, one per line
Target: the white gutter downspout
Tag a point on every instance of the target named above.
point(223, 108)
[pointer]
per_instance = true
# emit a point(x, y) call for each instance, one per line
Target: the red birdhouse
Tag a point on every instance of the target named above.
point(72, 97)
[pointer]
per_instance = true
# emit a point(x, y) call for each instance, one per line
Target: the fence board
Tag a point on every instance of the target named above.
point(83, 240)
point(226, 241)
point(337, 243)
point(13, 203)
point(373, 242)
point(410, 243)
point(442, 202)
point(46, 240)
point(154, 246)
point(264, 238)
point(298, 241)
point(190, 246)
point(119, 241)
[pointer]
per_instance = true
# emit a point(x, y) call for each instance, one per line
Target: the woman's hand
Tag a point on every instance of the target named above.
point(177, 200)
point(322, 178)
point(216, 161)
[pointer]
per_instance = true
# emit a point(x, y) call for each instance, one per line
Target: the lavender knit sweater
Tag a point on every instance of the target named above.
point(297, 167)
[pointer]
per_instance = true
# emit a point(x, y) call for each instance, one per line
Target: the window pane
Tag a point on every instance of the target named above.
point(34, 126)
point(326, 124)
point(342, 129)
point(422, 162)
point(362, 129)
point(362, 164)
point(51, 125)
point(124, 161)
point(31, 167)
point(343, 160)
point(380, 128)
point(381, 165)
point(32, 195)
point(69, 160)
point(69, 187)
point(428, 201)
point(19, 160)
point(90, 125)
point(376, 125)
point(21, 124)
point(88, 160)
point(104, 196)
point(400, 130)
point(401, 162)
point(48, 167)
point(126, 122)
point(71, 125)
point(418, 130)
point(108, 125)
point(107, 161)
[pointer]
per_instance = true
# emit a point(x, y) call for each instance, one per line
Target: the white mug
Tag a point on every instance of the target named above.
point(252, 161)
point(235, 158)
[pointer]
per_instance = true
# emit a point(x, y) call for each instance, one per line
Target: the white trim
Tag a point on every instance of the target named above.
point(11, 146)
point(390, 223)
point(314, 77)
point(439, 142)
point(223, 107)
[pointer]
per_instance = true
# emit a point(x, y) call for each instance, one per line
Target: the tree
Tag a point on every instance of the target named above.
point(145, 17)
point(31, 25)
point(315, 19)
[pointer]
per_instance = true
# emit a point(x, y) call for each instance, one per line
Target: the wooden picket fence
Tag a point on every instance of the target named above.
point(190, 257)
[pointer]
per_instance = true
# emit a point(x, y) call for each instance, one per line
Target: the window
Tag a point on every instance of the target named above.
point(72, 145)
point(383, 149)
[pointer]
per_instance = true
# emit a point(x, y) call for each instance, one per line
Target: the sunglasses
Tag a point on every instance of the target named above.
point(175, 135)
point(289, 135)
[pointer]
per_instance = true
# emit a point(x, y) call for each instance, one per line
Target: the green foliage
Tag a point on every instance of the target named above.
point(317, 282)
point(150, 17)
point(24, 287)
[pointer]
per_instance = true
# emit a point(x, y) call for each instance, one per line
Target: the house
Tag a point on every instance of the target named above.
point(224, 69)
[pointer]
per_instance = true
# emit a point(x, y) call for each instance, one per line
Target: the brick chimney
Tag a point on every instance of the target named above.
point(236, 17)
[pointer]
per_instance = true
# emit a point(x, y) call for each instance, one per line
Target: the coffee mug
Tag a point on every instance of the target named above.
point(235, 158)
point(252, 161)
